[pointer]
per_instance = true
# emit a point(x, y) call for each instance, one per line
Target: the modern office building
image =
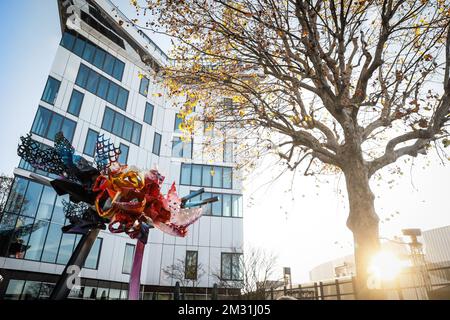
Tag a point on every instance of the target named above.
point(103, 81)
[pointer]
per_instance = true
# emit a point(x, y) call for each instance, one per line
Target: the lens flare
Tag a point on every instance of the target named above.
point(385, 265)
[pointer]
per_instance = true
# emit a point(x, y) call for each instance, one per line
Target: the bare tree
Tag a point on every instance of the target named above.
point(328, 86)
point(5, 186)
point(185, 275)
point(255, 273)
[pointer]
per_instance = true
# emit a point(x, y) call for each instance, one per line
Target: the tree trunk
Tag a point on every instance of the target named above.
point(363, 222)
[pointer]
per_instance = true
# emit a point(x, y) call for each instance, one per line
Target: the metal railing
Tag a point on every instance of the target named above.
point(408, 286)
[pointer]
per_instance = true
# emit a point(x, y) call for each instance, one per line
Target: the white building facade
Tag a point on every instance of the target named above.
point(101, 82)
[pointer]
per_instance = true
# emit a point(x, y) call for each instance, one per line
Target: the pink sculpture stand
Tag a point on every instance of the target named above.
point(135, 277)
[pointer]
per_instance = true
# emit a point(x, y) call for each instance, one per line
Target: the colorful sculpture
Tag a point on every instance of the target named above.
point(125, 198)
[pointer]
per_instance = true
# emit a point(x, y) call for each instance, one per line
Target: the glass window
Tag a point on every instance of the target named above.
point(185, 174)
point(236, 273)
point(217, 206)
point(99, 58)
point(196, 175)
point(118, 124)
point(122, 99)
point(92, 82)
point(46, 290)
point(227, 178)
point(178, 122)
point(68, 41)
point(31, 200)
point(190, 270)
point(55, 126)
point(226, 266)
point(231, 266)
point(79, 47)
point(52, 243)
point(119, 66)
point(46, 204)
point(108, 119)
point(128, 258)
point(121, 126)
point(66, 248)
point(89, 292)
point(177, 147)
point(89, 52)
point(58, 212)
point(108, 66)
point(37, 239)
point(136, 138)
point(68, 129)
point(14, 290)
point(20, 237)
point(16, 195)
point(207, 176)
point(228, 152)
point(94, 255)
point(114, 294)
point(123, 157)
point(102, 88)
point(41, 121)
point(91, 143)
point(76, 100)
point(217, 177)
point(237, 202)
point(113, 92)
point(8, 224)
point(127, 129)
point(148, 115)
point(82, 76)
point(143, 87)
point(207, 208)
point(226, 205)
point(102, 293)
point(51, 90)
point(93, 54)
point(156, 144)
point(187, 149)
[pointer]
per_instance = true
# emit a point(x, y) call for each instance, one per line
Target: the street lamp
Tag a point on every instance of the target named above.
point(418, 257)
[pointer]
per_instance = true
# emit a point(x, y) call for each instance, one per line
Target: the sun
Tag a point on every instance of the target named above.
point(385, 265)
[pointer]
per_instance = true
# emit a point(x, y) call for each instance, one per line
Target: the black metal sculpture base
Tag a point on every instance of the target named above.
point(76, 263)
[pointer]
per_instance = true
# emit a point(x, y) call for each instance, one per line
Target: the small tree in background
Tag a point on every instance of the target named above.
point(328, 86)
point(184, 274)
point(258, 274)
point(5, 186)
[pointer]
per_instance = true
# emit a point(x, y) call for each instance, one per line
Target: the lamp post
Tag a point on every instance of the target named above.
point(418, 257)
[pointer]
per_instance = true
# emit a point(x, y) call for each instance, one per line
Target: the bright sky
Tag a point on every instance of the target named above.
point(301, 226)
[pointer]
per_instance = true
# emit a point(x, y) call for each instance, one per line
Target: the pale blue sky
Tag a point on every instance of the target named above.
point(301, 227)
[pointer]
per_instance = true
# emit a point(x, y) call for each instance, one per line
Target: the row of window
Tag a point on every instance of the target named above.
point(31, 226)
point(48, 123)
point(93, 54)
point(206, 176)
point(121, 126)
point(229, 205)
point(102, 87)
point(91, 143)
point(183, 149)
point(89, 290)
